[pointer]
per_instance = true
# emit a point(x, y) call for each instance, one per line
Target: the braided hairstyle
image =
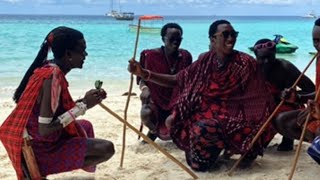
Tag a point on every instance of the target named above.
point(58, 40)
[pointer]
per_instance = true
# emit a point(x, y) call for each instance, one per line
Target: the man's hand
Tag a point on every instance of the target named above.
point(135, 68)
point(94, 97)
point(314, 109)
point(289, 95)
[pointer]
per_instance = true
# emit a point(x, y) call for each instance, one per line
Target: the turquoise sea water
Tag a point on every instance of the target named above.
point(110, 44)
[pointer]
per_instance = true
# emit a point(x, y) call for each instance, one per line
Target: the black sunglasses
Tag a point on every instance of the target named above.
point(226, 34)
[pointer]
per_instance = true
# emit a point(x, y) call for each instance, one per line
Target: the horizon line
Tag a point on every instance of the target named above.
point(1, 14)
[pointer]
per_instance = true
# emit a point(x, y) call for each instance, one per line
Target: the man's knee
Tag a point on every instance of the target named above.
point(85, 124)
point(108, 149)
point(147, 117)
point(285, 120)
point(145, 112)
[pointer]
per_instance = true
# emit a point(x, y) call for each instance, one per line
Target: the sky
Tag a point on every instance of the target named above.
point(163, 7)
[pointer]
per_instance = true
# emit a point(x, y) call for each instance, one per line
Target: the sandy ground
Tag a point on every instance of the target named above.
point(142, 161)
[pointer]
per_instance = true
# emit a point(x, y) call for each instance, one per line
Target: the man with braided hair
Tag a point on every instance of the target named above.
point(222, 102)
point(46, 111)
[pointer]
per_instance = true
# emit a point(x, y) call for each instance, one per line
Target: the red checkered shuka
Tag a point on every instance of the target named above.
point(11, 131)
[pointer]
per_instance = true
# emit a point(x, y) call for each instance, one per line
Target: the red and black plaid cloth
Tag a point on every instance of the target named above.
point(234, 97)
point(11, 131)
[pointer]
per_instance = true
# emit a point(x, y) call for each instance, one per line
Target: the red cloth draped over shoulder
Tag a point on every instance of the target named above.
point(11, 131)
point(237, 97)
point(155, 61)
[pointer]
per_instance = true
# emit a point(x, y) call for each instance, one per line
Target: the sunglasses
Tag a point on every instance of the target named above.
point(268, 45)
point(172, 39)
point(226, 34)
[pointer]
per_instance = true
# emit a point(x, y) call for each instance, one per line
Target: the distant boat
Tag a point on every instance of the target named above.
point(149, 24)
point(310, 15)
point(112, 13)
point(118, 15)
point(126, 16)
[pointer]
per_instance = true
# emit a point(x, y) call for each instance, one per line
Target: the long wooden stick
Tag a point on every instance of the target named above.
point(297, 154)
point(128, 98)
point(150, 141)
point(230, 173)
point(140, 129)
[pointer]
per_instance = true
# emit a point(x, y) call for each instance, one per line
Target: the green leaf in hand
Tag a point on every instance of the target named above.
point(98, 84)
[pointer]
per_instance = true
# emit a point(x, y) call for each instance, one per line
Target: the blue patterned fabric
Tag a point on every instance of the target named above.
point(314, 150)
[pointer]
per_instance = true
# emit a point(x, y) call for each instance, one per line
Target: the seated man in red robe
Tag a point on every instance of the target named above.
point(314, 149)
point(222, 102)
point(157, 100)
point(290, 124)
point(46, 111)
point(281, 74)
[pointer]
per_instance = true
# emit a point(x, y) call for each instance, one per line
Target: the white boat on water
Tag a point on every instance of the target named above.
point(118, 15)
point(126, 16)
point(310, 15)
point(111, 13)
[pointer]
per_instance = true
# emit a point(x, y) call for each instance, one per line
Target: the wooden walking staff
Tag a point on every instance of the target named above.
point(150, 141)
point(128, 98)
point(269, 119)
point(148, 18)
point(297, 154)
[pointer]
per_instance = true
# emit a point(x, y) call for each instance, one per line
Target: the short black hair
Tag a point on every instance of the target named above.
point(260, 41)
point(214, 26)
point(317, 22)
point(170, 25)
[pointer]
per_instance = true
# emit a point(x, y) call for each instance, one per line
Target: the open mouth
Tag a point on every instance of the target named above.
point(230, 45)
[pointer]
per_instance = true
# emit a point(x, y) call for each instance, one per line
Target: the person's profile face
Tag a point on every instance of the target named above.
point(316, 37)
point(78, 54)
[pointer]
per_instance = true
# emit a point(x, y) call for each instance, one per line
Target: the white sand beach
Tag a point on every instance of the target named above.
point(145, 162)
